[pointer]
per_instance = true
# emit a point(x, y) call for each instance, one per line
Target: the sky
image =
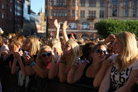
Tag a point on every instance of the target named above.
point(36, 5)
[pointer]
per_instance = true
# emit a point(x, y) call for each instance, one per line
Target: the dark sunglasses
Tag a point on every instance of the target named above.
point(46, 54)
point(99, 51)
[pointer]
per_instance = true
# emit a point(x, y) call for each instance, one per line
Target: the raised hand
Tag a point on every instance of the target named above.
point(17, 56)
point(57, 25)
point(29, 59)
point(55, 55)
point(65, 25)
point(107, 63)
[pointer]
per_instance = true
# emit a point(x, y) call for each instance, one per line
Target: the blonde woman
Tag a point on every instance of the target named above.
point(125, 67)
point(70, 52)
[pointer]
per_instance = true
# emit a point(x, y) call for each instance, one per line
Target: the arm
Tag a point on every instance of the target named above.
point(106, 81)
point(75, 73)
point(53, 71)
point(57, 25)
point(100, 75)
point(133, 75)
point(65, 26)
point(14, 68)
point(62, 72)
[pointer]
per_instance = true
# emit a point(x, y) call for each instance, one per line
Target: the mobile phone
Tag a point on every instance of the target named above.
point(26, 53)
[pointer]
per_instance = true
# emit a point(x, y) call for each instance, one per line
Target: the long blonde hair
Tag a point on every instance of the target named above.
point(55, 43)
point(75, 51)
point(130, 50)
point(35, 45)
point(39, 59)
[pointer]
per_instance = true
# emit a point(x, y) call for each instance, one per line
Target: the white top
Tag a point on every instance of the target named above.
point(119, 79)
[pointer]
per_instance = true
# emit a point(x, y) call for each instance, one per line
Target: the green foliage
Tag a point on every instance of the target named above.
point(110, 26)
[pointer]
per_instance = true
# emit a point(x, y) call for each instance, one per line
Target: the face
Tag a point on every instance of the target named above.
point(118, 47)
point(14, 48)
point(67, 49)
point(26, 45)
point(99, 54)
point(46, 55)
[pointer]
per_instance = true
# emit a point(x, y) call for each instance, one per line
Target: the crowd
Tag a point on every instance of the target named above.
point(106, 65)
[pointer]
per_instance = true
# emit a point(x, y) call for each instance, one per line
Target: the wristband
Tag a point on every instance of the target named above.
point(32, 64)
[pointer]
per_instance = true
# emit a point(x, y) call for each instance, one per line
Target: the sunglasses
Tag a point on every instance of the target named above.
point(99, 51)
point(46, 54)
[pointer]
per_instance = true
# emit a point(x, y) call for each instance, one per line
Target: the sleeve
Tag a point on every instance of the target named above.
point(113, 57)
point(135, 65)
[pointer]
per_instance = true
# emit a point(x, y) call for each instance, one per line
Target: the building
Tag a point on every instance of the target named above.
point(11, 13)
point(80, 14)
point(122, 9)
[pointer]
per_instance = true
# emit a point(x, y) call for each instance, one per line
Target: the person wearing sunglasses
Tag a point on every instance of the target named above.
point(125, 67)
point(87, 72)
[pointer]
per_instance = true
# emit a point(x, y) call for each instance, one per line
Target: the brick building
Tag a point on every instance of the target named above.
point(11, 13)
point(82, 14)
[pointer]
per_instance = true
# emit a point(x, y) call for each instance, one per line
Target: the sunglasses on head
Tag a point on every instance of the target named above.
point(46, 54)
point(99, 51)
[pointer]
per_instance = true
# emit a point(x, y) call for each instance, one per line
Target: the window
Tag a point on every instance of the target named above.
point(114, 2)
point(54, 12)
point(134, 12)
point(2, 15)
point(62, 11)
point(82, 3)
point(126, 2)
point(82, 14)
point(85, 25)
point(2, 5)
point(101, 3)
point(92, 14)
point(126, 12)
point(101, 14)
point(114, 12)
point(134, 2)
point(73, 2)
point(92, 3)
point(73, 11)
point(65, 12)
point(10, 1)
point(59, 12)
point(10, 9)
point(50, 12)
point(51, 2)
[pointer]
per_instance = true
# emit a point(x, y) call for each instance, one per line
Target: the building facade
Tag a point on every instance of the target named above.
point(11, 13)
point(122, 9)
point(80, 14)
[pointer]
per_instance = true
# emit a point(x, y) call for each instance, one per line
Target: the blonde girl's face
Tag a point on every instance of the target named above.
point(46, 55)
point(67, 49)
point(27, 45)
point(118, 47)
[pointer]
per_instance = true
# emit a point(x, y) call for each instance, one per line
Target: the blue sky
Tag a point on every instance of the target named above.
point(37, 4)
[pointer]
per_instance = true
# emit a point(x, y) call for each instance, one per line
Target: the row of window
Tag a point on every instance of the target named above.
point(6, 7)
point(114, 13)
point(7, 16)
point(92, 14)
point(92, 3)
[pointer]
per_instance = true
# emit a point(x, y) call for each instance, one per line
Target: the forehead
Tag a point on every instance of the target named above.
point(46, 50)
point(101, 47)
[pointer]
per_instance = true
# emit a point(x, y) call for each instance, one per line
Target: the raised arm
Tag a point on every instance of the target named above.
point(65, 26)
point(57, 25)
point(106, 81)
point(100, 75)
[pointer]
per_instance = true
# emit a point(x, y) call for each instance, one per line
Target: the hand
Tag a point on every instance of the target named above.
point(17, 56)
point(110, 38)
point(55, 55)
point(76, 61)
point(57, 24)
point(65, 26)
point(29, 59)
point(107, 63)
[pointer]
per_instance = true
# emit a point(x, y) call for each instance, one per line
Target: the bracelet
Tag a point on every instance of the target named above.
point(32, 64)
point(62, 62)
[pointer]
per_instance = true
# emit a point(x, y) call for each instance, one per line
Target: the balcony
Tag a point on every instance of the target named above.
point(91, 18)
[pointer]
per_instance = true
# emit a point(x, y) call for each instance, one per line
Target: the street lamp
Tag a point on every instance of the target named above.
point(47, 18)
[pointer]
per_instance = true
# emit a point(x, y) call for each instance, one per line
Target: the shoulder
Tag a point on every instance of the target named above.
point(113, 57)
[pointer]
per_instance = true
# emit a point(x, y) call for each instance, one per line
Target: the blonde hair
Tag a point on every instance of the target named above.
point(55, 43)
point(39, 59)
point(130, 50)
point(75, 51)
point(35, 45)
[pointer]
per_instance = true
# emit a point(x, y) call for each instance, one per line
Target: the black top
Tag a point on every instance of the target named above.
point(86, 80)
